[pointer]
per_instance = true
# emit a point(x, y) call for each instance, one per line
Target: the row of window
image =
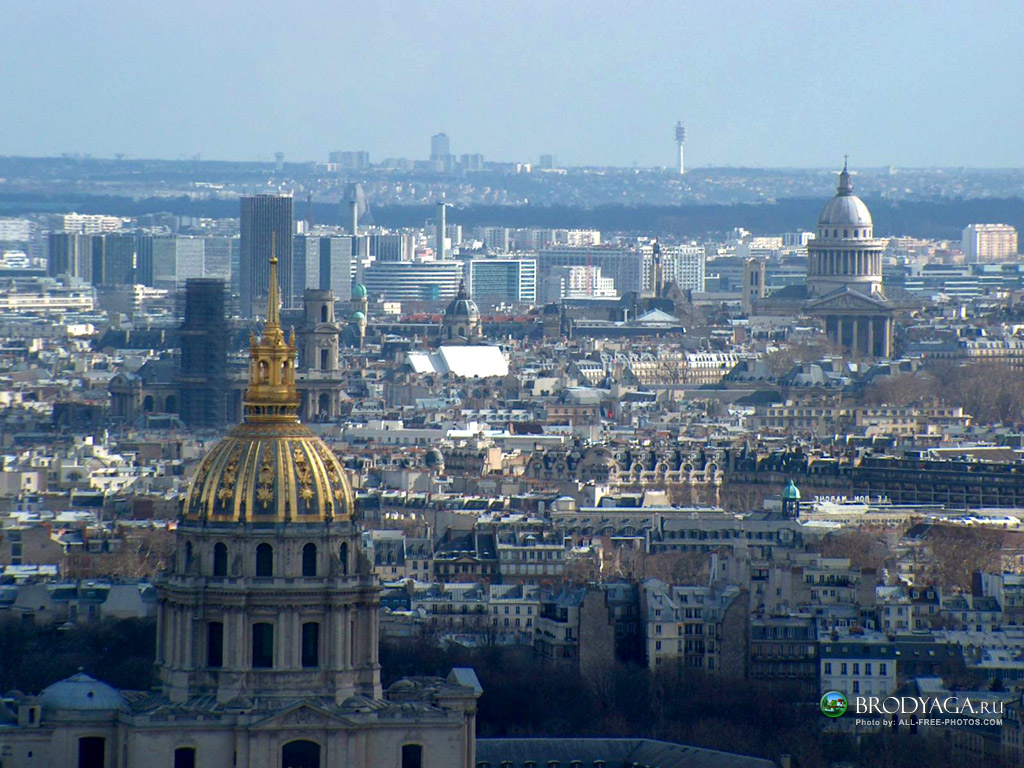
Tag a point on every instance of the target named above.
point(265, 559)
point(263, 645)
point(883, 668)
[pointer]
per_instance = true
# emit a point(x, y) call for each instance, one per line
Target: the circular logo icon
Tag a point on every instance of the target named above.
point(833, 703)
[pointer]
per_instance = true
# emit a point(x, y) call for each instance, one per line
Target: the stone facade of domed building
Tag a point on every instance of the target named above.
point(267, 628)
point(844, 278)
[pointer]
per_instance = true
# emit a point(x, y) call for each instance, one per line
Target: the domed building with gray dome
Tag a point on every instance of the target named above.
point(268, 625)
point(844, 276)
point(461, 320)
point(844, 279)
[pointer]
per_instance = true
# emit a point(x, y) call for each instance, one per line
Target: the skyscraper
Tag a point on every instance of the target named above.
point(204, 355)
point(440, 146)
point(265, 218)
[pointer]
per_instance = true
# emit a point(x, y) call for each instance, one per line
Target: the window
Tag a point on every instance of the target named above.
point(220, 559)
point(309, 561)
point(311, 644)
point(185, 757)
point(882, 669)
point(264, 561)
point(323, 359)
point(215, 644)
point(828, 667)
point(343, 556)
point(412, 756)
point(262, 645)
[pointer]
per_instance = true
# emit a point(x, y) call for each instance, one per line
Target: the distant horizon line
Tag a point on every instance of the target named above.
point(651, 168)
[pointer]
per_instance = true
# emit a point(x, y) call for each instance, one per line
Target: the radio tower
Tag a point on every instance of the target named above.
point(680, 139)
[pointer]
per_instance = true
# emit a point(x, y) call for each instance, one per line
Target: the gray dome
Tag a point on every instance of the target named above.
point(462, 306)
point(845, 209)
point(433, 458)
point(80, 692)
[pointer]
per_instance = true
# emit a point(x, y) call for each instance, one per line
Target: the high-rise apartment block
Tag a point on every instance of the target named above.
point(351, 161)
point(684, 266)
point(989, 242)
point(266, 220)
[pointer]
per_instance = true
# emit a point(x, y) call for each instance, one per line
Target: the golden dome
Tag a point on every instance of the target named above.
point(270, 468)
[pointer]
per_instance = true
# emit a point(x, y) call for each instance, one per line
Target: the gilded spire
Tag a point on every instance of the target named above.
point(272, 395)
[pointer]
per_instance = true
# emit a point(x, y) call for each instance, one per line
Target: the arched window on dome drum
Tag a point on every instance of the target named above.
point(323, 313)
point(309, 561)
point(343, 556)
point(264, 561)
point(188, 556)
point(220, 559)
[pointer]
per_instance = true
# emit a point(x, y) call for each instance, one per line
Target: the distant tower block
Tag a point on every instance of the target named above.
point(440, 227)
point(279, 161)
point(680, 140)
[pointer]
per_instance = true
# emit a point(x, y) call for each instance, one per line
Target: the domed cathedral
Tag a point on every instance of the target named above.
point(267, 625)
point(844, 276)
point(461, 324)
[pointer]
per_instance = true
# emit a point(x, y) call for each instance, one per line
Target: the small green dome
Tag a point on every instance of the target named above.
point(358, 291)
point(358, 315)
point(791, 492)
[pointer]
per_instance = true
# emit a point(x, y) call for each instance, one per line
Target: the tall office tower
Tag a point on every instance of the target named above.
point(680, 140)
point(305, 263)
point(113, 259)
point(70, 254)
point(202, 379)
point(265, 218)
point(989, 242)
point(336, 268)
point(218, 257)
point(440, 225)
point(502, 280)
point(177, 259)
point(547, 162)
point(144, 260)
point(440, 146)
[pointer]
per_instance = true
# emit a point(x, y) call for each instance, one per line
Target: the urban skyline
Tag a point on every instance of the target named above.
point(756, 85)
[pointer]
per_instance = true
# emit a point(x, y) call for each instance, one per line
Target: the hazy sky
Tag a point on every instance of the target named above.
point(765, 83)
